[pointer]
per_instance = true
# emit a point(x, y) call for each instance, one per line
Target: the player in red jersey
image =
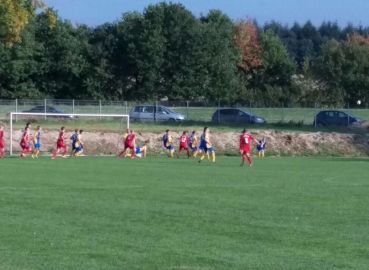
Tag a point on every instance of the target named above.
point(184, 141)
point(2, 145)
point(60, 144)
point(129, 143)
point(245, 146)
point(25, 145)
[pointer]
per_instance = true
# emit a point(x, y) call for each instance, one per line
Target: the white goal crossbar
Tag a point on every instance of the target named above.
point(60, 115)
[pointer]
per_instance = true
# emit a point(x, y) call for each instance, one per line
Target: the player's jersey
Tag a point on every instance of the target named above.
point(184, 140)
point(61, 136)
point(37, 137)
point(193, 141)
point(261, 146)
point(130, 138)
point(25, 137)
point(74, 139)
point(245, 140)
point(167, 140)
point(78, 141)
point(1, 136)
point(205, 141)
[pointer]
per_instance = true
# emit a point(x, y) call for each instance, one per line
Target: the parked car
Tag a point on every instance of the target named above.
point(151, 113)
point(236, 116)
point(50, 109)
point(337, 118)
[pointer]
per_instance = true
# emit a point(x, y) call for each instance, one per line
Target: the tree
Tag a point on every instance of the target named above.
point(343, 70)
point(246, 39)
point(16, 14)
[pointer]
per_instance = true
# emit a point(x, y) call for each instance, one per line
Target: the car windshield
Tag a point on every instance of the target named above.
point(247, 113)
point(169, 110)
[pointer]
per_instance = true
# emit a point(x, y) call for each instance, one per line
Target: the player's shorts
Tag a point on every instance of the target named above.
point(37, 146)
point(183, 146)
point(170, 147)
point(245, 149)
point(25, 146)
point(2, 145)
point(128, 146)
point(206, 149)
point(60, 145)
point(138, 151)
point(79, 148)
point(193, 148)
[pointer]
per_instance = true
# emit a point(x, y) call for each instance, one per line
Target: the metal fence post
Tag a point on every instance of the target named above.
point(219, 111)
point(100, 109)
point(348, 111)
point(282, 112)
point(188, 116)
point(126, 107)
point(16, 110)
point(73, 106)
point(315, 115)
point(45, 109)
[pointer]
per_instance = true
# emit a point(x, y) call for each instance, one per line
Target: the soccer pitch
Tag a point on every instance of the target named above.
point(161, 213)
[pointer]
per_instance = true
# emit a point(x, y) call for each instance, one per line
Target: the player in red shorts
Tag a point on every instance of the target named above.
point(184, 141)
point(245, 146)
point(129, 143)
point(25, 145)
point(2, 145)
point(60, 144)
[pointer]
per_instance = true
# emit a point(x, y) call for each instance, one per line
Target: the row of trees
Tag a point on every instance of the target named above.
point(167, 52)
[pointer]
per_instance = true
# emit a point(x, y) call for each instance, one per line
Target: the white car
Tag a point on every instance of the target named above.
point(151, 113)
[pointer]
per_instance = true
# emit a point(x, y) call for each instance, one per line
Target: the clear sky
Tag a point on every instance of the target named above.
point(95, 12)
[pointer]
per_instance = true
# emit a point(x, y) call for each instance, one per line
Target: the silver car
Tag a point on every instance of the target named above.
point(151, 113)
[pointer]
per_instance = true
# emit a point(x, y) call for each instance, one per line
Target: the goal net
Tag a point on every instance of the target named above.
point(102, 133)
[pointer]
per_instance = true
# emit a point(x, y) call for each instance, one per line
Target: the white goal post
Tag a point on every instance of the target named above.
point(61, 115)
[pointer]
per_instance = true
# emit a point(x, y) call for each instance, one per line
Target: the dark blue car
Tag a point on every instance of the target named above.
point(336, 118)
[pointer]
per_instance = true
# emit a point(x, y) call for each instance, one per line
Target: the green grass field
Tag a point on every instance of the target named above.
point(160, 213)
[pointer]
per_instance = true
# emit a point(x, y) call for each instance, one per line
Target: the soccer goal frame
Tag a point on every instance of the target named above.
point(12, 114)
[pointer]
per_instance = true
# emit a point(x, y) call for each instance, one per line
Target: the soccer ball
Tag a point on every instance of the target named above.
point(358, 102)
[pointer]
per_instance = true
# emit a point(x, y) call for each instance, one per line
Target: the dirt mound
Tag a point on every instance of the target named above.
point(278, 143)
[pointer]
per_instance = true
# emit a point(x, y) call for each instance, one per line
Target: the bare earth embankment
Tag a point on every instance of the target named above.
point(278, 143)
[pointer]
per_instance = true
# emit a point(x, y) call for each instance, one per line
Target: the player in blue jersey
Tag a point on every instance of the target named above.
point(141, 151)
point(261, 147)
point(205, 145)
point(79, 144)
point(193, 144)
point(167, 142)
point(73, 138)
point(36, 142)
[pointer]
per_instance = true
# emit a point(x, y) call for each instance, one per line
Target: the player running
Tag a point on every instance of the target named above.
point(184, 141)
point(205, 145)
point(25, 145)
point(245, 146)
point(73, 138)
point(129, 143)
point(167, 142)
point(125, 135)
point(2, 143)
point(193, 145)
point(60, 144)
point(79, 144)
point(37, 142)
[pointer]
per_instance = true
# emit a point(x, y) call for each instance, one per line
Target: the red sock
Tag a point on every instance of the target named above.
point(2, 154)
point(243, 158)
point(121, 154)
point(249, 160)
point(133, 154)
point(65, 152)
point(54, 155)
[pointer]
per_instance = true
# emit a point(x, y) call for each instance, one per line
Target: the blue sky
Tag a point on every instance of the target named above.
point(95, 12)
